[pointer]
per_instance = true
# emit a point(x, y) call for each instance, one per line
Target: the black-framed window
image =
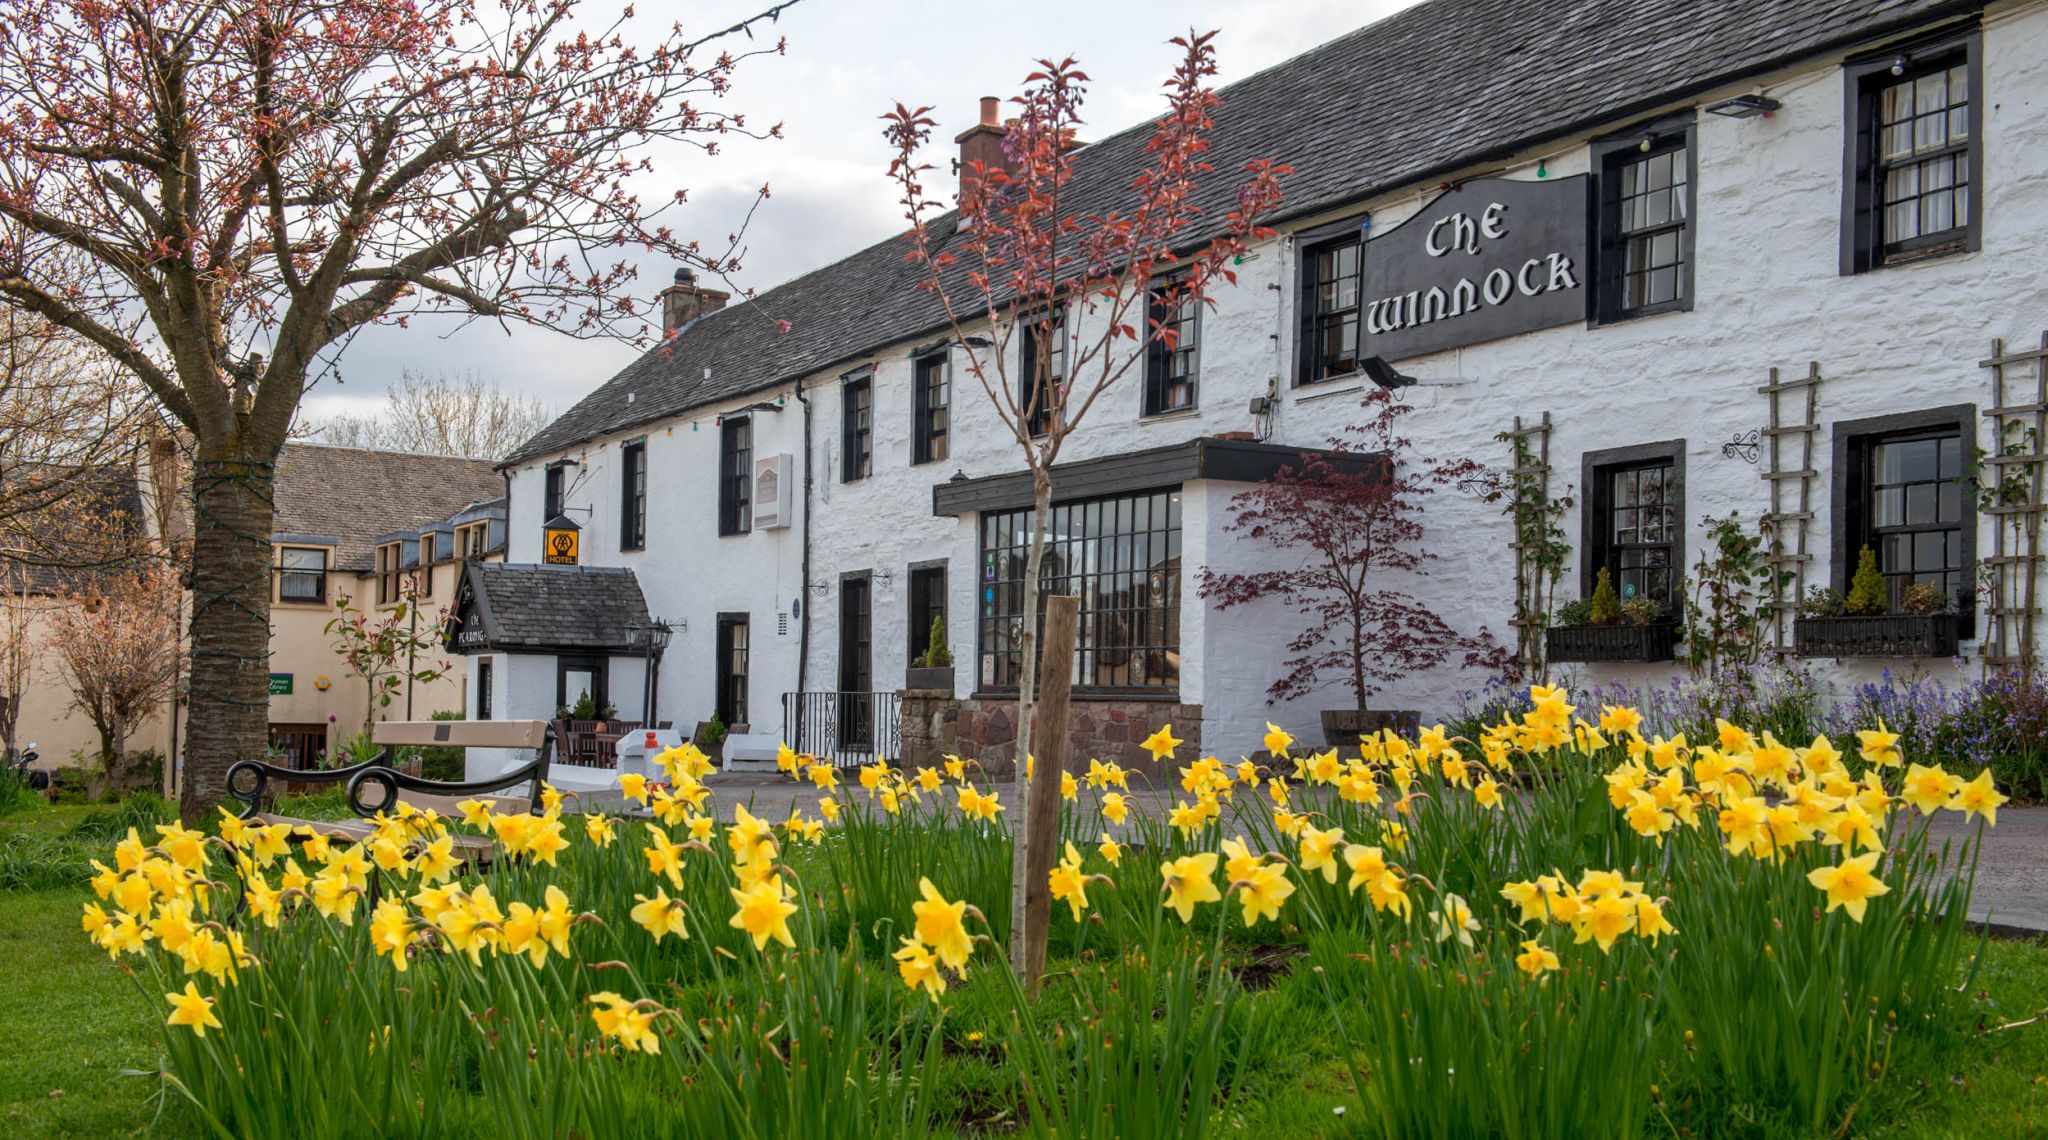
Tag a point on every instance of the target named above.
point(483, 688)
point(1032, 373)
point(1902, 488)
point(576, 676)
point(735, 475)
point(302, 575)
point(633, 495)
point(426, 563)
point(1633, 524)
point(1170, 368)
point(1331, 285)
point(388, 558)
point(1912, 187)
point(1645, 198)
point(1122, 557)
point(730, 668)
point(932, 426)
point(551, 503)
point(857, 428)
point(927, 601)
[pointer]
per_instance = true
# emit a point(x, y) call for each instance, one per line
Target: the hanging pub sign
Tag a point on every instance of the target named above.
point(1490, 259)
point(560, 540)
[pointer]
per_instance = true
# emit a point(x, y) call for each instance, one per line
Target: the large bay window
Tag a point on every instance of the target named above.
point(1121, 556)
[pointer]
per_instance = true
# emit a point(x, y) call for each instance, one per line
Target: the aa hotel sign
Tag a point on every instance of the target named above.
point(1491, 259)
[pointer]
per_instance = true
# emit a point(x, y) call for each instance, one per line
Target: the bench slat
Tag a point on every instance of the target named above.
point(461, 733)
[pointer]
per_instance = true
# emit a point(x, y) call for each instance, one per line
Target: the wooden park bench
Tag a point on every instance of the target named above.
point(375, 786)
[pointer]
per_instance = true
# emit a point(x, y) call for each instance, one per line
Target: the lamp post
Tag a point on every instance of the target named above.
point(652, 640)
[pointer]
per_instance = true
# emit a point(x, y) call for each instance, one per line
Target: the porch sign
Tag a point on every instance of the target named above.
point(1492, 259)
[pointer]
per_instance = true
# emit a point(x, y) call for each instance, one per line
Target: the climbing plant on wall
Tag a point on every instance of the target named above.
point(1539, 543)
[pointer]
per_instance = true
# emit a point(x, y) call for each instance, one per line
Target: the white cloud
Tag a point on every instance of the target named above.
point(848, 63)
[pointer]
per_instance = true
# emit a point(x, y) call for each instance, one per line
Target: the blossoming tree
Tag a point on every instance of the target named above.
point(116, 642)
point(1018, 262)
point(233, 189)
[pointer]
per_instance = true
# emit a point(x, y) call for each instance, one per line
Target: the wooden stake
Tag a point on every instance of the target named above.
point(1042, 820)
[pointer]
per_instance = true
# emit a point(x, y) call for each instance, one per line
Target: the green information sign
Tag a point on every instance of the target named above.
point(280, 684)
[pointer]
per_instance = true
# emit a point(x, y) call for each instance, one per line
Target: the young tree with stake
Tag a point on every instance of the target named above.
point(232, 189)
point(1018, 261)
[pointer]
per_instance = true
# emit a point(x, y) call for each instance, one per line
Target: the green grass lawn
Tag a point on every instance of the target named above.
point(76, 1021)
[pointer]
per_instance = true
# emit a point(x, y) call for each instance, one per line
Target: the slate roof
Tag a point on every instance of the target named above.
point(1439, 87)
point(352, 494)
point(522, 605)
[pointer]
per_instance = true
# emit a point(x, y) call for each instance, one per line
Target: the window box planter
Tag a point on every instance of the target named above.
point(1655, 642)
point(1882, 635)
point(934, 677)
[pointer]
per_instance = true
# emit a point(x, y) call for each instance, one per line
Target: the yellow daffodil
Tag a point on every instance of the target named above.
point(1454, 920)
point(192, 1010)
point(625, 1022)
point(391, 932)
point(764, 911)
point(1161, 744)
point(1069, 883)
point(1320, 851)
point(916, 965)
point(1979, 798)
point(661, 915)
point(1114, 808)
point(1110, 851)
point(1262, 894)
point(1850, 884)
point(600, 830)
point(1536, 959)
point(1487, 794)
point(1277, 739)
point(942, 926)
point(1190, 881)
point(1879, 746)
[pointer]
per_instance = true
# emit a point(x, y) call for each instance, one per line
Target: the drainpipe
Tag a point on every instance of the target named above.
point(803, 589)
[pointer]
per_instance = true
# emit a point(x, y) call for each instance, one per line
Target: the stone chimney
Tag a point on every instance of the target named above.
point(982, 143)
point(685, 301)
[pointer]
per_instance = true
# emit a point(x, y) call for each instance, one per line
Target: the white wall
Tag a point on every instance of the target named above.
point(1768, 216)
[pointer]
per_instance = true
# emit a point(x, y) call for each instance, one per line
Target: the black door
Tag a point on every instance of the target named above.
point(732, 669)
point(856, 673)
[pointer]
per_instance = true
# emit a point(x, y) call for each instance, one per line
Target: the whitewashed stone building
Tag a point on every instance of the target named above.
point(1622, 220)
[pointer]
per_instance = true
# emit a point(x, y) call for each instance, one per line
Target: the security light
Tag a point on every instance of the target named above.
point(1744, 107)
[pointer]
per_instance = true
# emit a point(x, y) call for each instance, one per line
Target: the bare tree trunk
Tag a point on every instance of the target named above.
point(1027, 703)
point(1042, 819)
point(117, 753)
point(229, 712)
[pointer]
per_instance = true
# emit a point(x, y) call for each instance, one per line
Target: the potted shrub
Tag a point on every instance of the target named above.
point(1604, 627)
point(934, 668)
point(1346, 518)
point(710, 737)
point(1860, 624)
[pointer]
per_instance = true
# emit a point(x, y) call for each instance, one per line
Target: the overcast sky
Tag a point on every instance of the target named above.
point(848, 62)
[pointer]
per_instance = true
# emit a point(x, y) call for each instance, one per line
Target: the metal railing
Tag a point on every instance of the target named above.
point(849, 729)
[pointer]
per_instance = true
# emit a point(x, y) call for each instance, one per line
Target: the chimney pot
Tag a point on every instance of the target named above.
point(685, 301)
point(982, 143)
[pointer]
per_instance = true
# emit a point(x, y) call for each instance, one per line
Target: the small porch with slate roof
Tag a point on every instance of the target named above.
point(539, 639)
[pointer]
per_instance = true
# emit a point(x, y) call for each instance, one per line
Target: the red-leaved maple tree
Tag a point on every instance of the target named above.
point(1353, 519)
point(1085, 280)
point(220, 194)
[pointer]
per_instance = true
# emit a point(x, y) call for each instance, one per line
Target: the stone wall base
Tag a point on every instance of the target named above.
point(935, 723)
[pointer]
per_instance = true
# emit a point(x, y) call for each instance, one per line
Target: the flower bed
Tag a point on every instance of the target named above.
point(1650, 930)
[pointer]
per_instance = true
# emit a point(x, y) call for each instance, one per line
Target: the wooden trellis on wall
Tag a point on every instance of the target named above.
point(1529, 446)
point(1789, 439)
point(2011, 490)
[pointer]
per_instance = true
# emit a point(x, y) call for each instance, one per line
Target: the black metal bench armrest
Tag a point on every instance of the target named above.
point(384, 784)
point(248, 780)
